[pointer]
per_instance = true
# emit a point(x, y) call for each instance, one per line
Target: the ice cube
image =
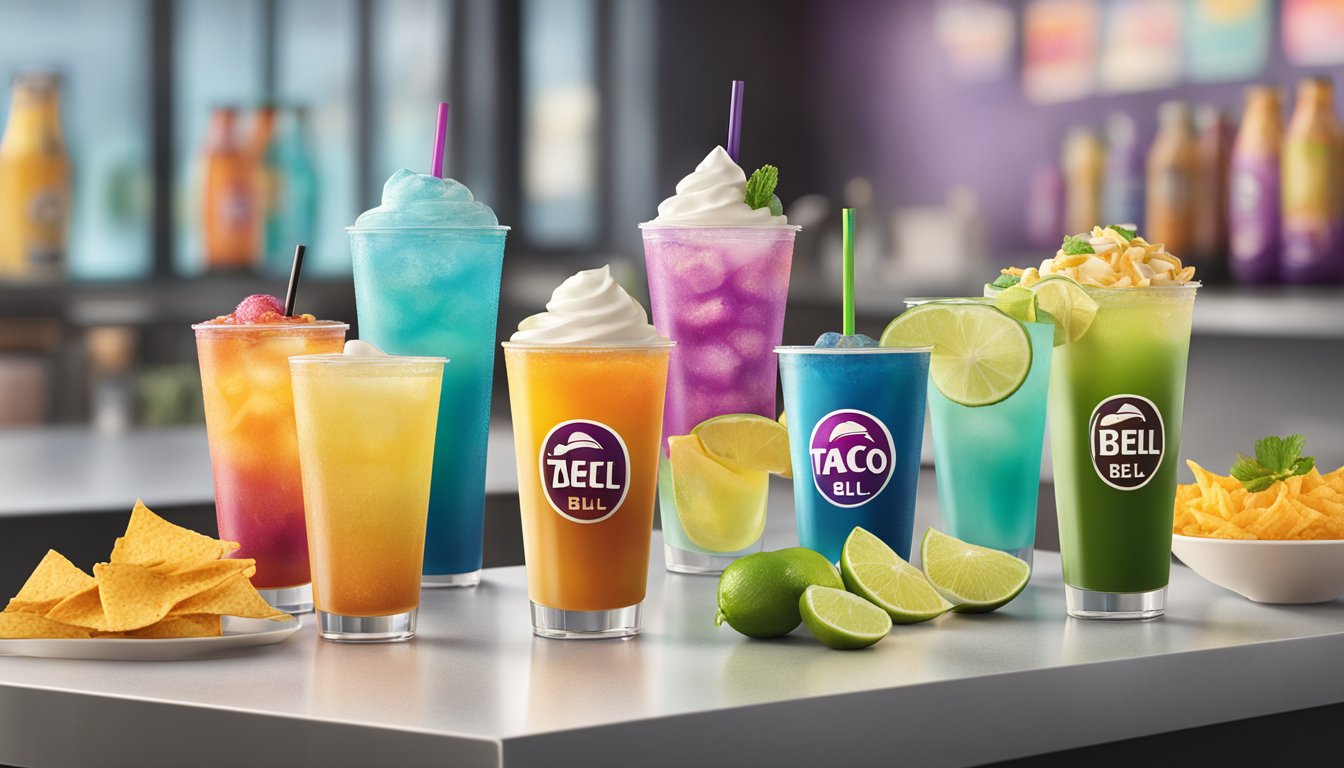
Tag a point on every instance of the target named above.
point(856, 341)
point(698, 271)
point(764, 278)
point(749, 342)
point(829, 339)
point(706, 313)
point(715, 364)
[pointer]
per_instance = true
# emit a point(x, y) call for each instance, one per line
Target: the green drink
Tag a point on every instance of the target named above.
point(1115, 422)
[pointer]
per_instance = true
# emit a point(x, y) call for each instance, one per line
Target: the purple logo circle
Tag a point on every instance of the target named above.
point(1128, 441)
point(852, 457)
point(585, 470)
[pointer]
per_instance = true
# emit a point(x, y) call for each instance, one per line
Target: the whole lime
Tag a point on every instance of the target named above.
point(758, 594)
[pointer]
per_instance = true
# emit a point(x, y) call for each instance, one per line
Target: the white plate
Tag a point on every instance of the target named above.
point(238, 633)
point(1267, 571)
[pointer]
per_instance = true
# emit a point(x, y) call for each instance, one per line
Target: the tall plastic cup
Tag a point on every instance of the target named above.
point(366, 444)
point(435, 291)
point(719, 293)
point(856, 425)
point(254, 454)
point(1115, 422)
point(586, 426)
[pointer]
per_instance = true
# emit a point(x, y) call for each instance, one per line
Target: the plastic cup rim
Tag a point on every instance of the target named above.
point(431, 228)
point(588, 347)
point(337, 358)
point(755, 227)
point(802, 349)
point(323, 325)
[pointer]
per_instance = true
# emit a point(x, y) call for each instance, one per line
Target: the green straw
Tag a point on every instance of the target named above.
point(849, 271)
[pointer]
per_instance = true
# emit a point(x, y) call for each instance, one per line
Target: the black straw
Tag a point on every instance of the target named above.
point(294, 280)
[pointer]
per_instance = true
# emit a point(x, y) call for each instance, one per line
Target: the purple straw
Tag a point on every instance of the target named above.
point(440, 134)
point(735, 120)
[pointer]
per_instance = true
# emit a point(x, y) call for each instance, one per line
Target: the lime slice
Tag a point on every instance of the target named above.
point(1067, 304)
point(759, 594)
point(975, 579)
point(1017, 302)
point(746, 441)
point(841, 620)
point(980, 354)
point(873, 571)
point(722, 509)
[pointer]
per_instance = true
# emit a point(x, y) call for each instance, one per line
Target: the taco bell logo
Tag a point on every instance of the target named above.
point(1127, 441)
point(852, 457)
point(585, 470)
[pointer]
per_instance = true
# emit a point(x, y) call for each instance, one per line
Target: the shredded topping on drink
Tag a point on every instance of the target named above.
point(1110, 257)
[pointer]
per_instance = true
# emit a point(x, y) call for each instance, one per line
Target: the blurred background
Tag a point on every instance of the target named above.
point(161, 159)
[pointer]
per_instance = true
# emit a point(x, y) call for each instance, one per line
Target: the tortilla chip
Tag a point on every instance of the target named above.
point(82, 609)
point(186, 625)
point(154, 542)
point(134, 596)
point(54, 579)
point(235, 596)
point(29, 626)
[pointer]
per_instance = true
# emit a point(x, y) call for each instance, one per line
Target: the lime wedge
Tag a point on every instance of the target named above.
point(975, 579)
point(1067, 304)
point(722, 509)
point(1017, 302)
point(841, 620)
point(874, 571)
point(746, 441)
point(980, 354)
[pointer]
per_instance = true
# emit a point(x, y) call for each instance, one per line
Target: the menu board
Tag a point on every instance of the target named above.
point(1141, 45)
point(1059, 45)
point(1226, 39)
point(1313, 32)
point(977, 36)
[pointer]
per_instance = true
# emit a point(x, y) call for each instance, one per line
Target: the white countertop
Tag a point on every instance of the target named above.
point(476, 688)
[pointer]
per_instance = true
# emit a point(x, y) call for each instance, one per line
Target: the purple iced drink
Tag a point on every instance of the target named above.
point(720, 293)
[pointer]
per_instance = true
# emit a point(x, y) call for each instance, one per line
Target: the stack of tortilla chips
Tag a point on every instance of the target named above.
point(162, 581)
point(1304, 507)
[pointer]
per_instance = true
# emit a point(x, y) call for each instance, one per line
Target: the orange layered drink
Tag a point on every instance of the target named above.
point(249, 418)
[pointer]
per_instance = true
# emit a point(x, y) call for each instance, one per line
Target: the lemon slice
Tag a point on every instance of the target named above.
point(747, 441)
point(981, 356)
point(721, 509)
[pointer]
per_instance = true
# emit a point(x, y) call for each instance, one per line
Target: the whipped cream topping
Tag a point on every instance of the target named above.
point(589, 308)
point(361, 348)
point(714, 195)
point(413, 199)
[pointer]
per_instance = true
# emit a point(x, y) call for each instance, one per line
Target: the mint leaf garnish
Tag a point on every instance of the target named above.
point(761, 186)
point(776, 206)
point(1076, 244)
point(1005, 280)
point(1276, 459)
point(1128, 234)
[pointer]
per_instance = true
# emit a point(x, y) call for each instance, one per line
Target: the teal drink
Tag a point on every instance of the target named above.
point(427, 266)
point(988, 459)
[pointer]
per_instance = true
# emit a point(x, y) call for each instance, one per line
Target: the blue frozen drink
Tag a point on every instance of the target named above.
point(856, 422)
point(427, 268)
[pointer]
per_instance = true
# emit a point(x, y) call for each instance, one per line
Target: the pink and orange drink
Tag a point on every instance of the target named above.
point(249, 416)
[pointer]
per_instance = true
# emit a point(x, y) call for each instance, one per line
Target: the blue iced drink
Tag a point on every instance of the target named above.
point(427, 267)
point(856, 421)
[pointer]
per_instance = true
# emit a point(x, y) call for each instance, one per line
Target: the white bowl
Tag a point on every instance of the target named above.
point(1267, 571)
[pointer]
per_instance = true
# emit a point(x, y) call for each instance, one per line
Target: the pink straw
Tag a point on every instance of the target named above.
point(440, 136)
point(735, 120)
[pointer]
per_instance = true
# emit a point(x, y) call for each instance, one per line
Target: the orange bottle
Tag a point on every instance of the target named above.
point(34, 182)
point(1173, 167)
point(231, 221)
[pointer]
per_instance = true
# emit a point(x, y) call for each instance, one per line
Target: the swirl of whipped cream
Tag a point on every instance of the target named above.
point(714, 195)
point(589, 308)
point(413, 199)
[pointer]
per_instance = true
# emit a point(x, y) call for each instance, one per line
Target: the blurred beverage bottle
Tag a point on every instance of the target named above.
point(1122, 189)
point(230, 214)
point(1312, 185)
point(1254, 220)
point(1045, 207)
point(291, 180)
point(1173, 166)
point(34, 181)
point(1084, 161)
point(1208, 252)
